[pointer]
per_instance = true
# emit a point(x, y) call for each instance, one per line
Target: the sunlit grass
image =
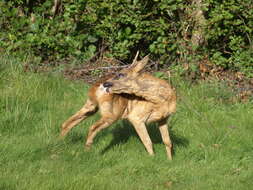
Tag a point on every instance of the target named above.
point(212, 140)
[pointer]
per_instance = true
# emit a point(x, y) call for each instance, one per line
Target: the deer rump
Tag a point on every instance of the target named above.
point(130, 94)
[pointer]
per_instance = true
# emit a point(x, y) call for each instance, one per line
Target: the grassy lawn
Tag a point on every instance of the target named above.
point(213, 140)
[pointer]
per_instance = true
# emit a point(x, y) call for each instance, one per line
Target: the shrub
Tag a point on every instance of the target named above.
point(116, 28)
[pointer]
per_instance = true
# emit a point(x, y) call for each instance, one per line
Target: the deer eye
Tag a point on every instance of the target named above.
point(120, 75)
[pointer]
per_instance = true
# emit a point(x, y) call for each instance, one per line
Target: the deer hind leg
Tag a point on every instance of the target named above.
point(166, 138)
point(142, 132)
point(95, 128)
point(88, 109)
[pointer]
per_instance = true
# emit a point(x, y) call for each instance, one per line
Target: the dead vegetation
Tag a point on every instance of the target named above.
point(99, 66)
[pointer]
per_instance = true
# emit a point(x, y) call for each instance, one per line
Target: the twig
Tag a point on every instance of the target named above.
point(101, 68)
point(113, 67)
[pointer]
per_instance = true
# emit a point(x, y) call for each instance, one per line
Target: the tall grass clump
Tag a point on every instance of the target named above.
point(212, 139)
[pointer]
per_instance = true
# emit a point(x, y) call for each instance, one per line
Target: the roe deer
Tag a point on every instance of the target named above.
point(132, 95)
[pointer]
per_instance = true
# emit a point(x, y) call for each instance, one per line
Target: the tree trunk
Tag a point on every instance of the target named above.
point(198, 32)
point(56, 8)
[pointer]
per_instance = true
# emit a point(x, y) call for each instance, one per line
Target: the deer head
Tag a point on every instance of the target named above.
point(125, 80)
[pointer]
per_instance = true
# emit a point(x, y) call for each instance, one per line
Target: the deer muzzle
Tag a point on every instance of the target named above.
point(107, 85)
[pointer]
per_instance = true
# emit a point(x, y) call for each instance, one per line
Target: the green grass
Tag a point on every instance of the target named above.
point(213, 140)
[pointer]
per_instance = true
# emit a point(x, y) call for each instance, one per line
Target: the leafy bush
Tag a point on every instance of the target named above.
point(230, 34)
point(161, 28)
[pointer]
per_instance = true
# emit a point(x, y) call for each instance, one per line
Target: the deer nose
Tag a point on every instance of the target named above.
point(108, 84)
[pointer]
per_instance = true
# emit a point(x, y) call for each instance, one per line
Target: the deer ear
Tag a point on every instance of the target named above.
point(137, 66)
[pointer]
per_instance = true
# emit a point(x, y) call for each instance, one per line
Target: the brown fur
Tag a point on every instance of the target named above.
point(138, 97)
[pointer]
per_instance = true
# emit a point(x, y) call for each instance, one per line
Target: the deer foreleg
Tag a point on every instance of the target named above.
point(142, 132)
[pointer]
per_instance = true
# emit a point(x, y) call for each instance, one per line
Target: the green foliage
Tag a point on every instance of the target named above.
point(230, 34)
point(161, 28)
